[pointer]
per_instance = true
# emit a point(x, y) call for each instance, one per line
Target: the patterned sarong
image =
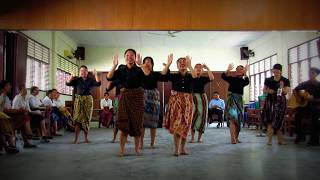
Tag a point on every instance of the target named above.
point(151, 108)
point(200, 112)
point(130, 112)
point(83, 111)
point(234, 108)
point(178, 117)
point(274, 111)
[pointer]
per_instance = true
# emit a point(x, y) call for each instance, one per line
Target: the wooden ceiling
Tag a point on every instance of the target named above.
point(160, 14)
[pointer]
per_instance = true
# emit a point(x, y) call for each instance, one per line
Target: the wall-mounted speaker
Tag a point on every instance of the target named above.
point(245, 53)
point(80, 53)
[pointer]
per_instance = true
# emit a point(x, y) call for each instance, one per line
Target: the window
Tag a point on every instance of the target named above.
point(37, 66)
point(301, 58)
point(258, 72)
point(65, 68)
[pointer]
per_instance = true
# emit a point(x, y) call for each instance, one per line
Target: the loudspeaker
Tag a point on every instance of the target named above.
point(80, 53)
point(244, 53)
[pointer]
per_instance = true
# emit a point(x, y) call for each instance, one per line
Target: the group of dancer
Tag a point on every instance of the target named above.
point(138, 100)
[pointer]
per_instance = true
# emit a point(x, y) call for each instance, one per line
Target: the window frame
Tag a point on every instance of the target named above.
point(259, 73)
point(299, 61)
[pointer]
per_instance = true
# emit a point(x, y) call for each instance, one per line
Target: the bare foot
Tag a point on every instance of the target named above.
point(152, 147)
point(138, 153)
point(269, 143)
point(75, 142)
point(176, 154)
point(192, 141)
point(86, 141)
point(121, 154)
point(282, 143)
point(184, 152)
point(199, 141)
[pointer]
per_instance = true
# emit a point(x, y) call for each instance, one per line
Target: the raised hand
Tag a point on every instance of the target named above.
point(94, 72)
point(73, 74)
point(230, 67)
point(246, 67)
point(115, 60)
point(188, 58)
point(205, 67)
point(170, 59)
point(138, 59)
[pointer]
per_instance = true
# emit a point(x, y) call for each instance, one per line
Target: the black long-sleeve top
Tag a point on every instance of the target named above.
point(236, 84)
point(181, 83)
point(129, 78)
point(151, 81)
point(82, 86)
point(199, 83)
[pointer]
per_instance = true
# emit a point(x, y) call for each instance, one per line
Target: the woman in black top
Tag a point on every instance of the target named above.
point(131, 104)
point(275, 105)
point(151, 100)
point(178, 117)
point(83, 103)
point(200, 100)
point(234, 106)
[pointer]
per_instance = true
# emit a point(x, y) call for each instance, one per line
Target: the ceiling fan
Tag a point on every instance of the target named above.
point(168, 33)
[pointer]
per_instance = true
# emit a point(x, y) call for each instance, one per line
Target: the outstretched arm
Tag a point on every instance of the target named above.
point(210, 74)
point(113, 69)
point(193, 72)
point(144, 69)
point(167, 66)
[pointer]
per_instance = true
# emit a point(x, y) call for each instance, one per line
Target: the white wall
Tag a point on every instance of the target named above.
point(57, 42)
point(217, 59)
point(277, 43)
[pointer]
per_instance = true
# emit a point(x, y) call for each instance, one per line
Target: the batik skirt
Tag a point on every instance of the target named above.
point(151, 108)
point(130, 112)
point(179, 114)
point(200, 112)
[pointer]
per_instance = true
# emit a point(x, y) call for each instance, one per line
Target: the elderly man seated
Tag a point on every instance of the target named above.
point(216, 107)
point(107, 110)
point(40, 113)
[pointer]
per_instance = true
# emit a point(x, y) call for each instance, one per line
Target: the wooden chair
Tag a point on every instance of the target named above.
point(289, 121)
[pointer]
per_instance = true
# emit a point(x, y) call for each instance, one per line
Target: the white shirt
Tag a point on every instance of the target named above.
point(48, 102)
point(58, 103)
point(20, 102)
point(5, 102)
point(35, 102)
point(105, 103)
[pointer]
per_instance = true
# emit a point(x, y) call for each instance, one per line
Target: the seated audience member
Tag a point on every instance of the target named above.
point(40, 113)
point(7, 137)
point(216, 106)
point(106, 112)
point(20, 102)
point(55, 116)
point(68, 121)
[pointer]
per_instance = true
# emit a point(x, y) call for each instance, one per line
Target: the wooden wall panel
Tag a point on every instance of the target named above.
point(1, 55)
point(161, 14)
point(16, 61)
